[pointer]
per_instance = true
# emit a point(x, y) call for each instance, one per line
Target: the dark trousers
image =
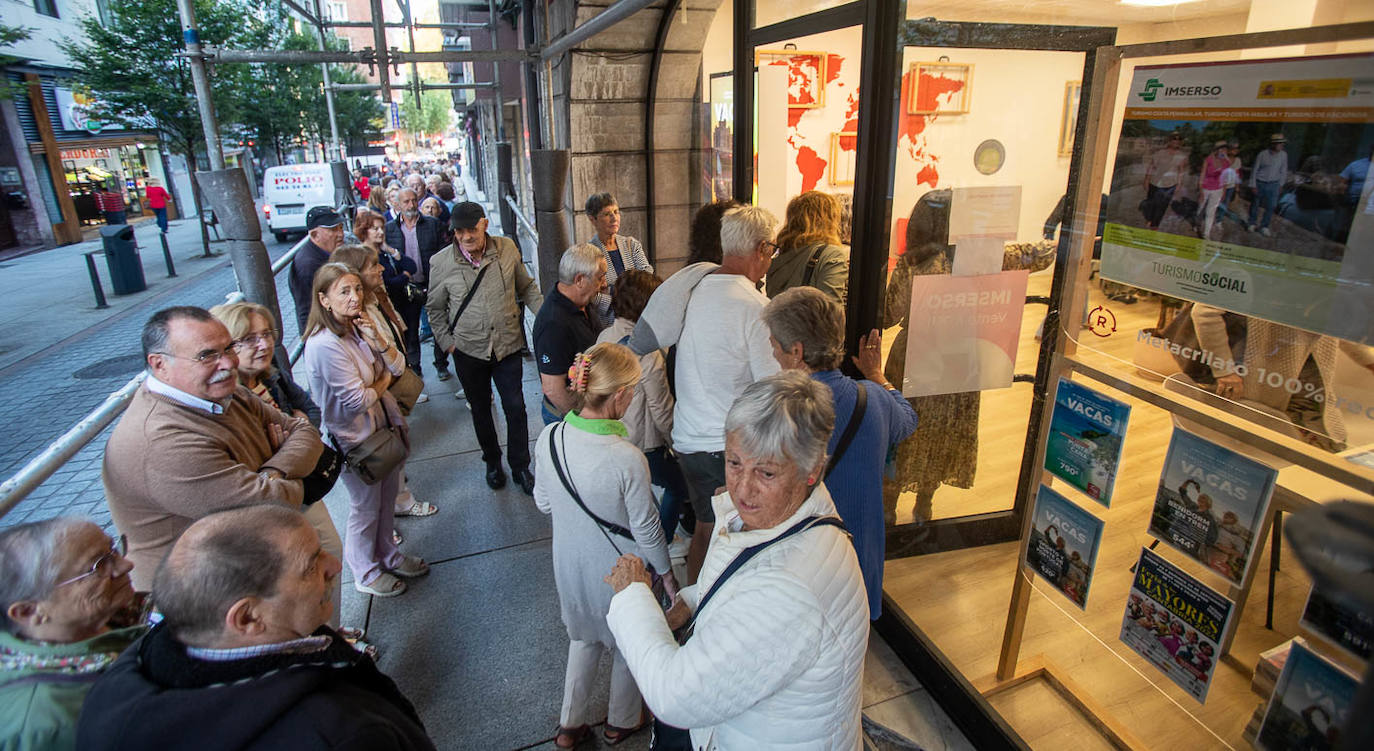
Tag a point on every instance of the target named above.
point(1156, 204)
point(161, 215)
point(410, 313)
point(477, 376)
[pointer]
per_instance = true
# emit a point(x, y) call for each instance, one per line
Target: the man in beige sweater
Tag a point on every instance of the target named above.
point(193, 441)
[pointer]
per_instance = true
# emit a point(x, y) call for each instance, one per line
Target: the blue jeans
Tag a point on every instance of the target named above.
point(161, 215)
point(1266, 195)
point(1224, 208)
point(546, 413)
point(664, 472)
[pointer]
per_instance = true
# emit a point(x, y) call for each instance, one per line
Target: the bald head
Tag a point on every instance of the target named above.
point(220, 560)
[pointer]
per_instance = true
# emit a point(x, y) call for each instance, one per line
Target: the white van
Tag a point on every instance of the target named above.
point(292, 190)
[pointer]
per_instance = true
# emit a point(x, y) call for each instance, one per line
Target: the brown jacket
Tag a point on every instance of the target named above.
point(167, 464)
point(492, 325)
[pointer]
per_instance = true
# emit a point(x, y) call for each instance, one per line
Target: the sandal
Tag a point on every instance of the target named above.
point(419, 508)
point(351, 634)
point(614, 735)
point(572, 737)
point(411, 567)
point(396, 538)
point(385, 585)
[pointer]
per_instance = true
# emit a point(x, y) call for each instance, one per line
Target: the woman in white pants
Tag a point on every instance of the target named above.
point(596, 485)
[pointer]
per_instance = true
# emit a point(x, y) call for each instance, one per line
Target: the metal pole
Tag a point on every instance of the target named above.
point(604, 20)
point(95, 281)
point(496, 76)
point(191, 35)
point(167, 254)
point(423, 86)
point(379, 42)
point(328, 92)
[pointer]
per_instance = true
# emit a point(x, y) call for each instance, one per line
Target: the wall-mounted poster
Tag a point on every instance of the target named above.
point(805, 75)
point(1175, 622)
point(1211, 503)
point(843, 155)
point(942, 88)
point(963, 332)
point(1309, 706)
point(1344, 626)
point(1063, 544)
point(1086, 433)
point(1241, 185)
point(721, 163)
point(1068, 117)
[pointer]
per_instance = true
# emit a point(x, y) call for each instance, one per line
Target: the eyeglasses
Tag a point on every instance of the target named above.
point(252, 340)
point(776, 248)
point(104, 564)
point(208, 356)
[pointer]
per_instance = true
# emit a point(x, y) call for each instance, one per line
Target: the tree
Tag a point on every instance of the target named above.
point(134, 68)
point(430, 115)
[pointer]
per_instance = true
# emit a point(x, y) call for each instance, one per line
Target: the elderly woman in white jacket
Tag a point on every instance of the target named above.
point(595, 483)
point(775, 656)
point(349, 366)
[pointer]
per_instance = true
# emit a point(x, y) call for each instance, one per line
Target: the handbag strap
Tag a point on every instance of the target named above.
point(601, 524)
point(748, 553)
point(462, 306)
point(811, 265)
point(850, 430)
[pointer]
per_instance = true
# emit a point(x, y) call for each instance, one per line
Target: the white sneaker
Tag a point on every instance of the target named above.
point(1266, 232)
point(422, 398)
point(459, 394)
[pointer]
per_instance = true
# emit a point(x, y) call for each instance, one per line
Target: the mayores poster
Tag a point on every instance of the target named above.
point(963, 332)
point(1242, 185)
point(1210, 504)
point(1086, 431)
point(1175, 622)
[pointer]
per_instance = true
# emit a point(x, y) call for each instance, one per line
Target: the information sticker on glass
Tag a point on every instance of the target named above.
point(1242, 185)
point(1310, 704)
point(1063, 545)
point(1211, 503)
point(1086, 433)
point(963, 332)
point(981, 221)
point(1176, 622)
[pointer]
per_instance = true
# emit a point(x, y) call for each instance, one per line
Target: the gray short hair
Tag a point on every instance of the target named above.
point(220, 559)
point(582, 259)
point(787, 415)
point(158, 330)
point(28, 554)
point(743, 228)
point(809, 316)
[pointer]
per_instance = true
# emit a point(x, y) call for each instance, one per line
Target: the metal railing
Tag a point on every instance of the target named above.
point(524, 221)
point(60, 451)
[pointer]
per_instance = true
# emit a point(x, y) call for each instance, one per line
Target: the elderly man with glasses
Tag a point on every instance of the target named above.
point(194, 441)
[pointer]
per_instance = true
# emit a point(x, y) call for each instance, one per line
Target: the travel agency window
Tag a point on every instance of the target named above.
point(1118, 293)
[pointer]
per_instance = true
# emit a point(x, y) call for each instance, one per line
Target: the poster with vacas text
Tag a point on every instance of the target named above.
point(1175, 622)
point(1086, 433)
point(1310, 704)
point(1063, 544)
point(1347, 627)
point(1211, 503)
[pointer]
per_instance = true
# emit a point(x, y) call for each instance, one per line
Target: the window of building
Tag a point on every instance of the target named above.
point(337, 11)
point(46, 7)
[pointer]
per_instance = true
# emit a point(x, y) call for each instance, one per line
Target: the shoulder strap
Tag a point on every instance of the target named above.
point(748, 553)
point(850, 430)
point(605, 526)
point(462, 306)
point(811, 265)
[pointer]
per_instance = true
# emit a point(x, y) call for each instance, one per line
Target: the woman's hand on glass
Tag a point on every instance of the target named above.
point(870, 358)
point(628, 569)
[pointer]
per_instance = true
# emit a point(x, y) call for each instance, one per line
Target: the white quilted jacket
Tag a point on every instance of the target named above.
point(776, 659)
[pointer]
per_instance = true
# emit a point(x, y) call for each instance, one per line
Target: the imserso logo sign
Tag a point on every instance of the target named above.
point(1154, 88)
point(1151, 90)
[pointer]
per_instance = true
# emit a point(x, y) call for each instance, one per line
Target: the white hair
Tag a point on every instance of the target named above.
point(786, 416)
point(584, 259)
point(744, 227)
point(28, 556)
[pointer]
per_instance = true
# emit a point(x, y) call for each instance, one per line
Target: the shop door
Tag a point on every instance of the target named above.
point(981, 159)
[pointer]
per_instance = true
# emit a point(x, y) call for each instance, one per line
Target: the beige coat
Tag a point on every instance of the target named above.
point(649, 418)
point(491, 326)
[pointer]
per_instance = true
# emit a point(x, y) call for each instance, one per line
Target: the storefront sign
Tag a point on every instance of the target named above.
point(963, 332)
point(1086, 433)
point(1211, 503)
point(74, 110)
point(1176, 622)
point(85, 153)
point(1063, 545)
point(1242, 185)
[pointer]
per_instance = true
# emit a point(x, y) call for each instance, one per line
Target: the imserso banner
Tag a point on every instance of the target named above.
point(1243, 185)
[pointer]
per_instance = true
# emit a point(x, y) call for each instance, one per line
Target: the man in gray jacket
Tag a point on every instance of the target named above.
point(476, 286)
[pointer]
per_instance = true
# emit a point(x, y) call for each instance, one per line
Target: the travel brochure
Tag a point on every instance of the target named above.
point(1086, 433)
point(1210, 503)
point(1345, 626)
point(1309, 706)
point(1176, 622)
point(1063, 544)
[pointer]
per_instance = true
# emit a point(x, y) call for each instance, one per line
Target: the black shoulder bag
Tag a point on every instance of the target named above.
point(811, 264)
point(462, 306)
point(667, 737)
point(850, 430)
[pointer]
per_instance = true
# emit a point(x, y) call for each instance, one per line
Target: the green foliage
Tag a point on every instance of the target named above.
point(429, 116)
point(11, 34)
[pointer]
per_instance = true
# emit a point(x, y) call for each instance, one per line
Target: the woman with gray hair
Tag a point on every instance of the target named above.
point(620, 251)
point(774, 656)
point(806, 328)
point(68, 611)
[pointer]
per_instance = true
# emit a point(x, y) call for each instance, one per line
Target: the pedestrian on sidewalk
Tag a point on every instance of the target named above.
point(111, 202)
point(324, 227)
point(419, 237)
point(157, 201)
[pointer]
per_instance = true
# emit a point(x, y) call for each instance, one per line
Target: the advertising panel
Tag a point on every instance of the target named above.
point(1086, 432)
point(1310, 704)
point(1063, 544)
point(963, 332)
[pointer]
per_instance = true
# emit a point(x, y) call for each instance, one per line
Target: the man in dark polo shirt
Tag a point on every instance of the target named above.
point(563, 327)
